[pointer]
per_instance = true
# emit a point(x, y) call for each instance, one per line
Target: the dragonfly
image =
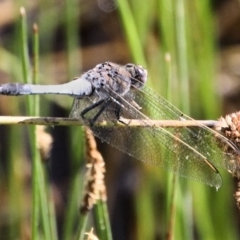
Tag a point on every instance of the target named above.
point(115, 93)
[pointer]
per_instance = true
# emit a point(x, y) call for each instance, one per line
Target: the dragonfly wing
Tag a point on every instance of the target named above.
point(203, 139)
point(156, 146)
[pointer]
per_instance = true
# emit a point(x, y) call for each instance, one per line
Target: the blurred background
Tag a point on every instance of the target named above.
point(191, 50)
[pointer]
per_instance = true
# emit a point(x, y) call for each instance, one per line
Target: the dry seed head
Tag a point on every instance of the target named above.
point(91, 235)
point(44, 142)
point(95, 186)
point(231, 130)
point(237, 195)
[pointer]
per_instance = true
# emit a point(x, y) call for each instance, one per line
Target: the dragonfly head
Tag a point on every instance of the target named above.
point(138, 75)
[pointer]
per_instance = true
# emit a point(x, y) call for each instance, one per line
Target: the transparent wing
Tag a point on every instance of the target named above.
point(203, 139)
point(168, 148)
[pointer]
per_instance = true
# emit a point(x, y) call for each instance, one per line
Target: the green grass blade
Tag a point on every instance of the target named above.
point(82, 227)
point(102, 220)
point(40, 196)
point(131, 32)
point(36, 159)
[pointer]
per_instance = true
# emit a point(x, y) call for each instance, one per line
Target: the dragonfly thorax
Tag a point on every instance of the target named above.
point(107, 80)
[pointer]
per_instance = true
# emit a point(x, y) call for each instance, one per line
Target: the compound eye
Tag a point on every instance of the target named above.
point(142, 73)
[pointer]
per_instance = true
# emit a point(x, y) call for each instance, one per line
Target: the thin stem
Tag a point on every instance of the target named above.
point(35, 66)
point(73, 57)
point(82, 227)
point(172, 209)
point(58, 121)
point(24, 53)
point(71, 216)
point(106, 220)
point(24, 46)
point(131, 31)
point(102, 220)
point(35, 161)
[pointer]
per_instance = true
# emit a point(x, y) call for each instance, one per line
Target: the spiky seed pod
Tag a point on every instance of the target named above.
point(231, 130)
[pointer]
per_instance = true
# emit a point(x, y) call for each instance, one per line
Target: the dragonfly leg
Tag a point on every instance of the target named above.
point(92, 121)
point(105, 102)
point(89, 108)
point(117, 113)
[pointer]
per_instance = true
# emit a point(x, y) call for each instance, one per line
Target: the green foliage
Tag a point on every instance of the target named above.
point(175, 41)
point(185, 46)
